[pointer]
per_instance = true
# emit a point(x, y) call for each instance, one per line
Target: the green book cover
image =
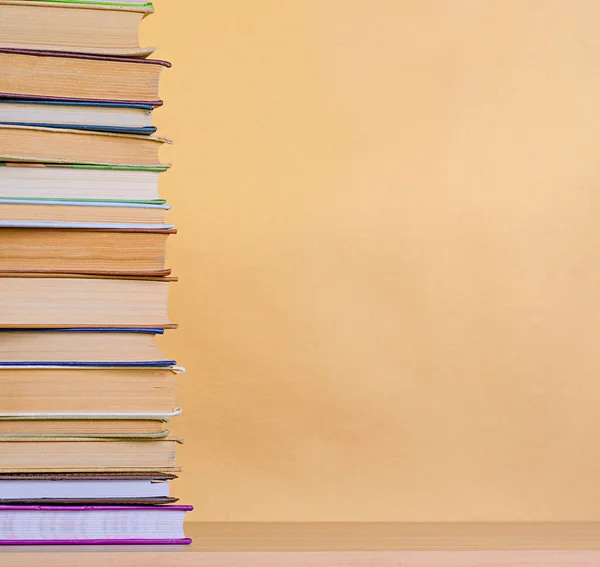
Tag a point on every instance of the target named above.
point(158, 168)
point(58, 436)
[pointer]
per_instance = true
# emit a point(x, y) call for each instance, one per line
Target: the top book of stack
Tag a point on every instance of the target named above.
point(91, 52)
point(92, 28)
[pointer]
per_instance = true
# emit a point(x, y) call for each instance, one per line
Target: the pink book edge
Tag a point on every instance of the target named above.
point(92, 508)
point(182, 541)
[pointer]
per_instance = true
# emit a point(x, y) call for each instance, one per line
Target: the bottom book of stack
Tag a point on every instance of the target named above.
point(92, 525)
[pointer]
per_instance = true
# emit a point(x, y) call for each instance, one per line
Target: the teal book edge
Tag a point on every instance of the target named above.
point(157, 168)
point(35, 200)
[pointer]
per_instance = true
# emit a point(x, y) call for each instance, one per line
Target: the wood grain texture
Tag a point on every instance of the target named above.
point(345, 545)
point(179, 558)
point(381, 536)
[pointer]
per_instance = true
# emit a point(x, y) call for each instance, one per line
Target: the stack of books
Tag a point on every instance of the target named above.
point(85, 394)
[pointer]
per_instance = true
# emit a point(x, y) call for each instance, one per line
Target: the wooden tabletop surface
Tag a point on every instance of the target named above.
point(341, 544)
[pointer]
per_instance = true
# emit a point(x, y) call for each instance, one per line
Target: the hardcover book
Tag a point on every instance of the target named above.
point(57, 301)
point(86, 424)
point(80, 182)
point(98, 116)
point(79, 389)
point(82, 214)
point(100, 347)
point(61, 146)
point(86, 454)
point(133, 251)
point(85, 488)
point(92, 525)
point(80, 28)
point(31, 74)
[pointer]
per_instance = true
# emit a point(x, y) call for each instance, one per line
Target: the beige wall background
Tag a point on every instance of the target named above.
point(389, 257)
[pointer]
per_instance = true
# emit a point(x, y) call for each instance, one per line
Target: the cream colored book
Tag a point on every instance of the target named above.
point(83, 428)
point(73, 214)
point(81, 347)
point(88, 389)
point(29, 74)
point(86, 424)
point(79, 183)
point(75, 28)
point(42, 454)
point(50, 301)
point(63, 146)
point(127, 252)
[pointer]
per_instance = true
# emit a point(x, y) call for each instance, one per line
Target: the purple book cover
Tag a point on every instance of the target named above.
point(131, 541)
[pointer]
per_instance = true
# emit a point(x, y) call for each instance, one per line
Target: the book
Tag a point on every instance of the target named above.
point(59, 489)
point(78, 28)
point(133, 251)
point(99, 116)
point(72, 434)
point(79, 182)
point(78, 454)
point(64, 525)
point(32, 74)
point(56, 487)
point(81, 347)
point(103, 424)
point(59, 145)
point(79, 213)
point(55, 301)
point(131, 428)
point(154, 476)
point(79, 389)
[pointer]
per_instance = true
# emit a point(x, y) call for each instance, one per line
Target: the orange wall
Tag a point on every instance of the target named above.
point(389, 256)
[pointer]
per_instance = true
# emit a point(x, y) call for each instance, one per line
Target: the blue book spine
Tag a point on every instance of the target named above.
point(142, 131)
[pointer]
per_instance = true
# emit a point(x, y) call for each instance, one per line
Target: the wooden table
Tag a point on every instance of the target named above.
point(341, 545)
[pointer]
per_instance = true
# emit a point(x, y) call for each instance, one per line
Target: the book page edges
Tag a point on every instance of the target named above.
point(175, 469)
point(159, 416)
point(42, 439)
point(145, 9)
